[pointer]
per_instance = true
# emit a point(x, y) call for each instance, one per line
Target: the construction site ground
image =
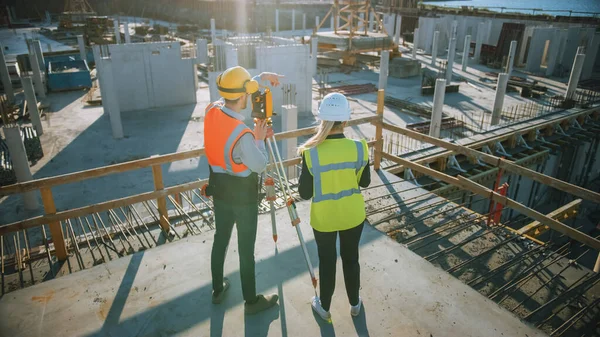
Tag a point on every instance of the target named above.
point(166, 291)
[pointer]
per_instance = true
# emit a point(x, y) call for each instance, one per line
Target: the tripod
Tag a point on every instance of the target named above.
point(290, 204)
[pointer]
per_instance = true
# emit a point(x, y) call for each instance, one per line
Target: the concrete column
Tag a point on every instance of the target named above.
point(317, 22)
point(511, 57)
point(48, 18)
point(434, 47)
point(162, 38)
point(37, 75)
point(303, 23)
point(415, 42)
point(435, 125)
point(49, 46)
point(314, 45)
point(398, 27)
point(20, 163)
point(465, 58)
point(127, 35)
point(384, 69)
point(451, 54)
point(372, 22)
point(499, 100)
point(591, 54)
point(289, 121)
point(331, 22)
point(575, 75)
point(110, 100)
point(81, 43)
point(5, 76)
point(117, 31)
point(338, 22)
point(479, 41)
point(34, 114)
point(277, 20)
point(360, 25)
point(213, 30)
point(37, 46)
point(293, 19)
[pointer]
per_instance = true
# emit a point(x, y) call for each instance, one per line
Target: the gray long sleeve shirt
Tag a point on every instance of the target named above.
point(248, 151)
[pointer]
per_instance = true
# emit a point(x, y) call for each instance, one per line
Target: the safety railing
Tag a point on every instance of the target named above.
point(160, 195)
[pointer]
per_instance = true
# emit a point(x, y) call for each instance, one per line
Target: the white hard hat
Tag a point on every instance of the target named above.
point(335, 108)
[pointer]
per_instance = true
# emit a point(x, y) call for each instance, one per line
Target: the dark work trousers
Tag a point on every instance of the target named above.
point(245, 217)
point(326, 245)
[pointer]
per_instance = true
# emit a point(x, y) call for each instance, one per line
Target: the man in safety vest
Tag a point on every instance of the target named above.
point(236, 156)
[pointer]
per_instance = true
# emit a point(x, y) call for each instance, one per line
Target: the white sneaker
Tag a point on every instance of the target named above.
point(316, 306)
point(355, 309)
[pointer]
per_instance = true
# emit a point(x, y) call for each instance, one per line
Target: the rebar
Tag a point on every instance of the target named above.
point(574, 319)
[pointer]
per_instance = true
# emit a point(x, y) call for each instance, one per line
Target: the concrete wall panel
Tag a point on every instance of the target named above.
point(152, 75)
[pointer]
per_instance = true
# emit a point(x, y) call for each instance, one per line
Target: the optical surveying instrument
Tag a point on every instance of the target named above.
point(262, 109)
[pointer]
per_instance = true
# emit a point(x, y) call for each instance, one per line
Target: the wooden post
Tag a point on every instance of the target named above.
point(597, 266)
point(379, 129)
point(56, 232)
point(161, 201)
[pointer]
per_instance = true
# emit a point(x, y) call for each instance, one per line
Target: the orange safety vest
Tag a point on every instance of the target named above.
point(221, 133)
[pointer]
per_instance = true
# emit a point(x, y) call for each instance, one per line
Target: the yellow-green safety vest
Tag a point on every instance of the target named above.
point(336, 166)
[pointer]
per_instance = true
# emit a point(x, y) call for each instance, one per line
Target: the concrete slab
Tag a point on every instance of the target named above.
point(166, 291)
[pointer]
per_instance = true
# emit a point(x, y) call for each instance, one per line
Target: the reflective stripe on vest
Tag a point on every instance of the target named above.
point(216, 124)
point(317, 169)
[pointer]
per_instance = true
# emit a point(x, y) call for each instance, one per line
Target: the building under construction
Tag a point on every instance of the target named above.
point(483, 214)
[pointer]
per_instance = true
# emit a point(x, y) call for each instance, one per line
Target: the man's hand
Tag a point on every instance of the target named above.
point(260, 129)
point(271, 77)
point(270, 132)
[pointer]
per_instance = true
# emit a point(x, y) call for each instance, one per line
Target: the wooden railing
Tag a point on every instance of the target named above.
point(160, 193)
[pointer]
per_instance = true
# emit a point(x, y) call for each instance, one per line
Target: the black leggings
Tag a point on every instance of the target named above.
point(326, 244)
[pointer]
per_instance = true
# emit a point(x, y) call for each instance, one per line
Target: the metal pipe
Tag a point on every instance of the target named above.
point(518, 279)
point(18, 257)
point(94, 235)
point(86, 239)
point(77, 252)
point(45, 241)
point(555, 312)
point(26, 240)
point(574, 319)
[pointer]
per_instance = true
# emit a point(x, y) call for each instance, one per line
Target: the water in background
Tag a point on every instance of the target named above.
point(592, 6)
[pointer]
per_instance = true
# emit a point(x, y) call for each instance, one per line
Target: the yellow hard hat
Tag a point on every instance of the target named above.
point(234, 82)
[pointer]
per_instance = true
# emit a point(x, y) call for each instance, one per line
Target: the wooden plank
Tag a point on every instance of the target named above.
point(562, 212)
point(379, 130)
point(100, 207)
point(160, 201)
point(55, 228)
point(486, 192)
point(105, 206)
point(147, 162)
point(502, 163)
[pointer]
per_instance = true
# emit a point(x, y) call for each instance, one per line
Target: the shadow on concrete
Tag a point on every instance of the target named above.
point(360, 323)
point(187, 310)
point(116, 309)
point(326, 328)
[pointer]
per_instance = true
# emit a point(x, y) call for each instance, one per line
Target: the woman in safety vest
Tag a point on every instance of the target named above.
point(333, 168)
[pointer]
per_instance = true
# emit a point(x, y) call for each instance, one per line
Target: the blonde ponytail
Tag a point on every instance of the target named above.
point(323, 131)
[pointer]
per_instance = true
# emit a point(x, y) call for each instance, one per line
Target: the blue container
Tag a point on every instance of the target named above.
point(68, 75)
